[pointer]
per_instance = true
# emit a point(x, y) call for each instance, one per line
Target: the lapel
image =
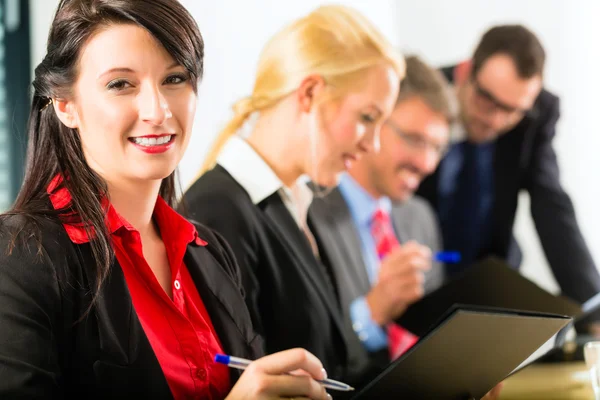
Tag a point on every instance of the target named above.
point(218, 291)
point(281, 221)
point(402, 223)
point(428, 189)
point(224, 303)
point(335, 229)
point(125, 357)
point(119, 329)
point(508, 175)
point(411, 223)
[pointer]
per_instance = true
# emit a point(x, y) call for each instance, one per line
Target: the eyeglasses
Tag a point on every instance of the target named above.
point(489, 104)
point(416, 141)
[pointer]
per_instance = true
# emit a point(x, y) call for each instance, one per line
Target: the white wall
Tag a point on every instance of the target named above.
point(442, 32)
point(42, 12)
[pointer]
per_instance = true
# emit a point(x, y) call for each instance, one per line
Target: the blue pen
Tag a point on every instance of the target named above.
point(448, 257)
point(241, 363)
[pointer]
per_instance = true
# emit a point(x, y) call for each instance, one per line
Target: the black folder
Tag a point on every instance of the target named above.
point(491, 283)
point(468, 352)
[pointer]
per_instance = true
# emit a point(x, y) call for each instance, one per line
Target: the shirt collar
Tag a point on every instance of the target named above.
point(458, 133)
point(244, 164)
point(173, 223)
point(361, 204)
point(257, 178)
point(166, 218)
point(298, 200)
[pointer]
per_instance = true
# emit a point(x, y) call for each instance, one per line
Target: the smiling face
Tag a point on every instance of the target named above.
point(132, 105)
point(347, 127)
point(412, 143)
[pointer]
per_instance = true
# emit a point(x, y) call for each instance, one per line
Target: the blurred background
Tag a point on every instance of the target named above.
point(442, 32)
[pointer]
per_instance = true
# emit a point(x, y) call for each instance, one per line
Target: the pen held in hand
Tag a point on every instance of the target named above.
point(241, 363)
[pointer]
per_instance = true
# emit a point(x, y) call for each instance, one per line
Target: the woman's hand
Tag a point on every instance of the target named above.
point(268, 378)
point(494, 394)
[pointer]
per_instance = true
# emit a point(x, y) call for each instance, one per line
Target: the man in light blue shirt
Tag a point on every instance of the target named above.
point(410, 261)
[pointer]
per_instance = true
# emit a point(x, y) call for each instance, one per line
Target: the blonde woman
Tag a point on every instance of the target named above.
point(324, 85)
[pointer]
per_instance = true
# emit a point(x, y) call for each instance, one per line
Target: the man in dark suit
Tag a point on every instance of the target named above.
point(502, 144)
point(375, 290)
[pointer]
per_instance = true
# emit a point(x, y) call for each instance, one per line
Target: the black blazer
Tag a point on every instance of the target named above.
point(45, 352)
point(287, 290)
point(525, 160)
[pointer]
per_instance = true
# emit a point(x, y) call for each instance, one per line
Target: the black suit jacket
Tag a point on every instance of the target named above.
point(287, 290)
point(525, 160)
point(47, 352)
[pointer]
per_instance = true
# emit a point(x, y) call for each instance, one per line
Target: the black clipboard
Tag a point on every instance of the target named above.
point(468, 351)
point(490, 283)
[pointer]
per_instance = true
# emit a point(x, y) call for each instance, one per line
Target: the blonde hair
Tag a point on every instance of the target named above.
point(335, 42)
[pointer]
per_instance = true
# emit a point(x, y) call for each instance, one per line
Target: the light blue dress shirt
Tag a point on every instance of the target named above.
point(362, 207)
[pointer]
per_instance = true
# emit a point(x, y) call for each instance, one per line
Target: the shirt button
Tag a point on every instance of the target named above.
point(201, 373)
point(177, 284)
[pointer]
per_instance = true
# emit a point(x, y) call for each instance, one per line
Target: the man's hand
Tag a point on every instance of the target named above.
point(399, 283)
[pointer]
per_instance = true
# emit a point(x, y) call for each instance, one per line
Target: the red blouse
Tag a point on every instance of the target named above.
point(179, 329)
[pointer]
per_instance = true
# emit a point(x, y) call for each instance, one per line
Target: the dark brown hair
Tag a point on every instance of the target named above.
point(428, 84)
point(55, 149)
point(515, 41)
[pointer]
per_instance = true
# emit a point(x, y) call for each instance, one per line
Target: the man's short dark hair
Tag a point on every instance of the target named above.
point(515, 41)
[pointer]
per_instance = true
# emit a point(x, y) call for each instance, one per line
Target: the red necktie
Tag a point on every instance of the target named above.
point(399, 339)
